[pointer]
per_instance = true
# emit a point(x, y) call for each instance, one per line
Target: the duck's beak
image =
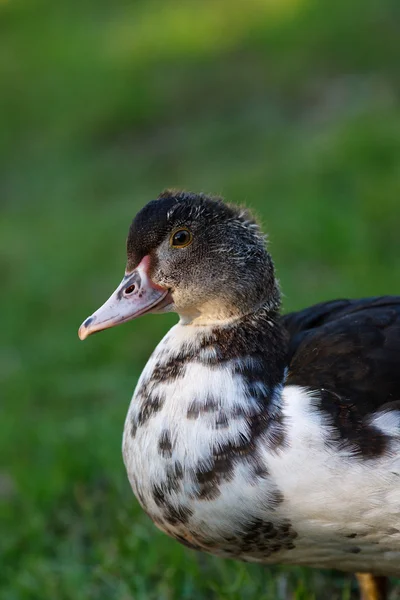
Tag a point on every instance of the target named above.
point(136, 295)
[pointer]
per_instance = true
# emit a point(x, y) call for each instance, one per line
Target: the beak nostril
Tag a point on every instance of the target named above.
point(130, 289)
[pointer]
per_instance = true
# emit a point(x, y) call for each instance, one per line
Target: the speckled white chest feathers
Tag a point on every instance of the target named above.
point(226, 463)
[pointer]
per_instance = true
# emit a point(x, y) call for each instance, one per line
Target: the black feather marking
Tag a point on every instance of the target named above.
point(165, 446)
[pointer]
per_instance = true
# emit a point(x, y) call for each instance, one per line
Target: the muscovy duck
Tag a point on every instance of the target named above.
point(251, 435)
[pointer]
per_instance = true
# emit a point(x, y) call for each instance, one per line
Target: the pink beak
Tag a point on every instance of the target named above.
point(136, 295)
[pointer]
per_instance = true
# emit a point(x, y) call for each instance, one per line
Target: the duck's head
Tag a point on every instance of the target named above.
point(194, 255)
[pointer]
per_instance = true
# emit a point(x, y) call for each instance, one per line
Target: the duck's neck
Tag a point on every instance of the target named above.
point(254, 345)
point(251, 349)
point(221, 314)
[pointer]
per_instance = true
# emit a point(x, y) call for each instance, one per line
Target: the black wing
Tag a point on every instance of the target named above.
point(351, 347)
point(349, 351)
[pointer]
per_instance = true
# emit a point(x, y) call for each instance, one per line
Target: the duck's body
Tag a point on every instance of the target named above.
point(250, 435)
point(227, 455)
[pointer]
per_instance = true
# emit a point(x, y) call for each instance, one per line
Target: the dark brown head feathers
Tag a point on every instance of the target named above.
point(226, 265)
point(173, 208)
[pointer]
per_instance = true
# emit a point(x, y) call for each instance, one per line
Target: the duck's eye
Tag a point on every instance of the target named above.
point(181, 238)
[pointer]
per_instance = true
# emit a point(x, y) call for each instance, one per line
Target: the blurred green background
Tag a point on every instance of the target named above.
point(290, 106)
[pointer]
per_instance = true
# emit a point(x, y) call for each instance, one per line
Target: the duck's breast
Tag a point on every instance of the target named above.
point(196, 444)
point(221, 472)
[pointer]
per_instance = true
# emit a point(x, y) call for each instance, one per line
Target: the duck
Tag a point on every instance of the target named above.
point(255, 435)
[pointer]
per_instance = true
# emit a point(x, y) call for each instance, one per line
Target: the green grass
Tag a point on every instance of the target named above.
point(291, 107)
